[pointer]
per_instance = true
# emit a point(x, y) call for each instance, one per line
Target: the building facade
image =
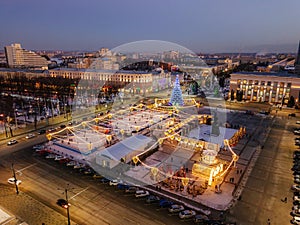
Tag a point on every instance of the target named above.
point(122, 80)
point(297, 62)
point(17, 57)
point(274, 88)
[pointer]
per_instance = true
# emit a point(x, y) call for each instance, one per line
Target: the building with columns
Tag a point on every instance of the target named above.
point(274, 88)
point(126, 81)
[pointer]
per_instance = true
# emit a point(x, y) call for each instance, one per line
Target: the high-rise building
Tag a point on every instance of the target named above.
point(21, 58)
point(297, 63)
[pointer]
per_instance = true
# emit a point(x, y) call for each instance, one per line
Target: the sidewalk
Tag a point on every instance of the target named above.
point(27, 209)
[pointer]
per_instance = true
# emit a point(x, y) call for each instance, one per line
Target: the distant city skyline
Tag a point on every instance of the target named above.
point(201, 26)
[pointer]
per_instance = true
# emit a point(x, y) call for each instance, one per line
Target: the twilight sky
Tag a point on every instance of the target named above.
point(200, 25)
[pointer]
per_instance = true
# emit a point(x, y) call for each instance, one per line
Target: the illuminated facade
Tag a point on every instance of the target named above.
point(17, 57)
point(123, 80)
point(266, 87)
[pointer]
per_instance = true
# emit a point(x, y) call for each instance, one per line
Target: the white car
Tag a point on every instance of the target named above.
point(296, 220)
point(12, 142)
point(71, 163)
point(12, 181)
point(28, 136)
point(141, 193)
point(59, 157)
point(187, 214)
point(296, 198)
point(50, 156)
point(113, 182)
point(298, 122)
point(176, 208)
point(295, 187)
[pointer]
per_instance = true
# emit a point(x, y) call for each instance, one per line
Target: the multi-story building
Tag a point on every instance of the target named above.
point(17, 57)
point(122, 80)
point(266, 87)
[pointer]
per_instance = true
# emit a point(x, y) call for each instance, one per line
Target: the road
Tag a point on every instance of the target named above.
point(270, 180)
point(91, 202)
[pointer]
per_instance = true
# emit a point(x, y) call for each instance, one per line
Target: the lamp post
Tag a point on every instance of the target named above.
point(67, 201)
point(15, 178)
point(68, 212)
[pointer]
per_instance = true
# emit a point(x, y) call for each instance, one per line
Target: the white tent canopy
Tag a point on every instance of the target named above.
point(125, 150)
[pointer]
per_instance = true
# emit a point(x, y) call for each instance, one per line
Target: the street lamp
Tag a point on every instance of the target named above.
point(67, 201)
point(15, 178)
point(68, 212)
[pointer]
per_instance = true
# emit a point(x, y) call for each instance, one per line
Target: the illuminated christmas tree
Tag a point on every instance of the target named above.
point(176, 97)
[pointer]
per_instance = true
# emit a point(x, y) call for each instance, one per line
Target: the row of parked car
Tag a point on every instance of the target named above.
point(150, 198)
point(296, 188)
point(137, 192)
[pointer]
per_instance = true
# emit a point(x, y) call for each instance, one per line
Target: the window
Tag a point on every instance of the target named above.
point(269, 83)
point(281, 84)
point(256, 82)
point(262, 82)
point(289, 85)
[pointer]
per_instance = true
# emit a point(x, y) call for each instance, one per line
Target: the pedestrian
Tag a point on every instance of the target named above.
point(269, 221)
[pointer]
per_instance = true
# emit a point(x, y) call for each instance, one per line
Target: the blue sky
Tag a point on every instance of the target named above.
point(200, 25)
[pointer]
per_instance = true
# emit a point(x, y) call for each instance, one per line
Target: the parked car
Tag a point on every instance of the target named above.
point(50, 130)
point(165, 203)
point(104, 180)
point(59, 157)
point(63, 203)
point(187, 214)
point(152, 199)
point(42, 132)
point(78, 166)
point(141, 193)
point(62, 126)
point(113, 182)
point(12, 142)
point(201, 218)
point(295, 220)
point(122, 186)
point(296, 207)
point(35, 147)
point(97, 176)
point(50, 156)
point(292, 114)
point(29, 136)
point(71, 163)
point(295, 212)
point(131, 190)
point(12, 181)
point(175, 208)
